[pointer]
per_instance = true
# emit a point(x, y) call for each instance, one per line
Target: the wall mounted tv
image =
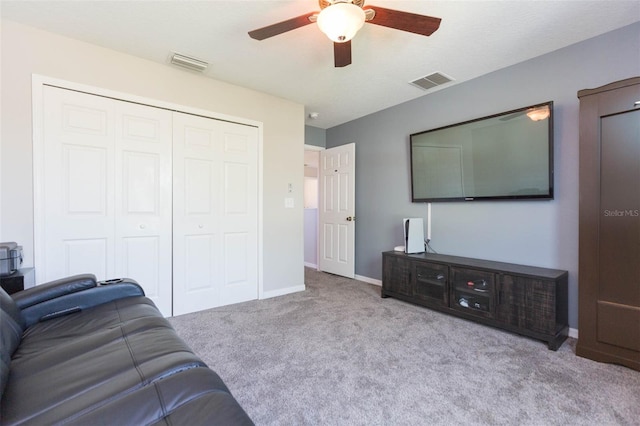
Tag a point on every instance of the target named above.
point(506, 156)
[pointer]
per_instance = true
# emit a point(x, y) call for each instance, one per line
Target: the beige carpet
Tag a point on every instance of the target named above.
point(338, 354)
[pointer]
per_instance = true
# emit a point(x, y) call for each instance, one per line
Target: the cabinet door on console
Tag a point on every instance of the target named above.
point(526, 303)
point(431, 283)
point(472, 291)
point(397, 275)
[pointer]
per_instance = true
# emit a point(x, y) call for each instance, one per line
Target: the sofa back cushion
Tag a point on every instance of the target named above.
point(11, 329)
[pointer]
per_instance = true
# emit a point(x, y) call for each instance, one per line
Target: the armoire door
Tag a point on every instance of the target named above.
point(609, 271)
point(215, 213)
point(106, 188)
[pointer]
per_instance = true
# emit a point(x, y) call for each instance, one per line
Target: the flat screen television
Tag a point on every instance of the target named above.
point(506, 156)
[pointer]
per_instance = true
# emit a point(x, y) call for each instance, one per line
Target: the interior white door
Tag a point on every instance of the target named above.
point(337, 210)
point(215, 213)
point(106, 191)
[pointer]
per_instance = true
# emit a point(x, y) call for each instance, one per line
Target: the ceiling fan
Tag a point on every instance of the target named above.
point(340, 20)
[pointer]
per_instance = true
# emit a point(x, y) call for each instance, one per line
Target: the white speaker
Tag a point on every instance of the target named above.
point(413, 235)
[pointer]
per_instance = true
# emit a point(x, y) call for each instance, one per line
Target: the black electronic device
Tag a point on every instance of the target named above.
point(506, 156)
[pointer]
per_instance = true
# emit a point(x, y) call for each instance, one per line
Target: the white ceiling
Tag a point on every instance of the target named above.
point(475, 38)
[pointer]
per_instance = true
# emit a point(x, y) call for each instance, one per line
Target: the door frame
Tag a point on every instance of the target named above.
point(317, 149)
point(37, 84)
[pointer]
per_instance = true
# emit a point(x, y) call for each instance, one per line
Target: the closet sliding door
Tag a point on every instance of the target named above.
point(106, 192)
point(143, 247)
point(215, 213)
point(166, 198)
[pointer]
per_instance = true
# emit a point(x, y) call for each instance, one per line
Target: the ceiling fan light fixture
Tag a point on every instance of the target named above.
point(537, 114)
point(341, 21)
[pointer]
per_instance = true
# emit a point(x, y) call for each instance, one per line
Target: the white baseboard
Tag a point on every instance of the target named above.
point(369, 280)
point(573, 332)
point(282, 291)
point(311, 265)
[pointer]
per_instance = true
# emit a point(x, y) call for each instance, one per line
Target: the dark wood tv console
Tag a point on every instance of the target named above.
point(527, 300)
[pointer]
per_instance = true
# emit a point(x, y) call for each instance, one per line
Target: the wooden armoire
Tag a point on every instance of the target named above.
point(609, 265)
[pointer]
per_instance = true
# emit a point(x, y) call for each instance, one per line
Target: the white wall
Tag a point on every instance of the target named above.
point(27, 51)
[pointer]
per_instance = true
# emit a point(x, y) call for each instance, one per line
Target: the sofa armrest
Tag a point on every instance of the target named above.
point(51, 290)
point(76, 301)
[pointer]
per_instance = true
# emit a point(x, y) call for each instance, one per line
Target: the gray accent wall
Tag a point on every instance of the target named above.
point(539, 233)
point(315, 136)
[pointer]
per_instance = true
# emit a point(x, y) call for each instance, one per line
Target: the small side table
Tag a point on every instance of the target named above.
point(17, 281)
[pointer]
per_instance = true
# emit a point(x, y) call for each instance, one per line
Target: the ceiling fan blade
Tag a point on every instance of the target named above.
point(342, 54)
point(404, 21)
point(281, 27)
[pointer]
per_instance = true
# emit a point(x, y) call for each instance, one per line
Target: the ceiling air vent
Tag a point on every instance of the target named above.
point(188, 62)
point(432, 80)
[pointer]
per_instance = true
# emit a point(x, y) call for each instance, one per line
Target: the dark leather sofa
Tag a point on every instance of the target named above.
point(77, 351)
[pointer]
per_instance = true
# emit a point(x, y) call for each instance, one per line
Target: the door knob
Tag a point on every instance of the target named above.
point(351, 218)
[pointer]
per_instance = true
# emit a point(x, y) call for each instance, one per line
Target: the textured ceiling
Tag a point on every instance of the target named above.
point(475, 38)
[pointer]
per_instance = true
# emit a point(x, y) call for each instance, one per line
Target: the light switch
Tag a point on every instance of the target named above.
point(288, 203)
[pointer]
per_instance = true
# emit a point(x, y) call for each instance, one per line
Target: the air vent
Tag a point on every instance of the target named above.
point(432, 80)
point(188, 62)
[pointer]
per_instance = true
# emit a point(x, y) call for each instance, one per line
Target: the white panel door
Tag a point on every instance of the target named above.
point(106, 191)
point(143, 199)
point(78, 187)
point(337, 210)
point(215, 239)
point(239, 213)
point(197, 243)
